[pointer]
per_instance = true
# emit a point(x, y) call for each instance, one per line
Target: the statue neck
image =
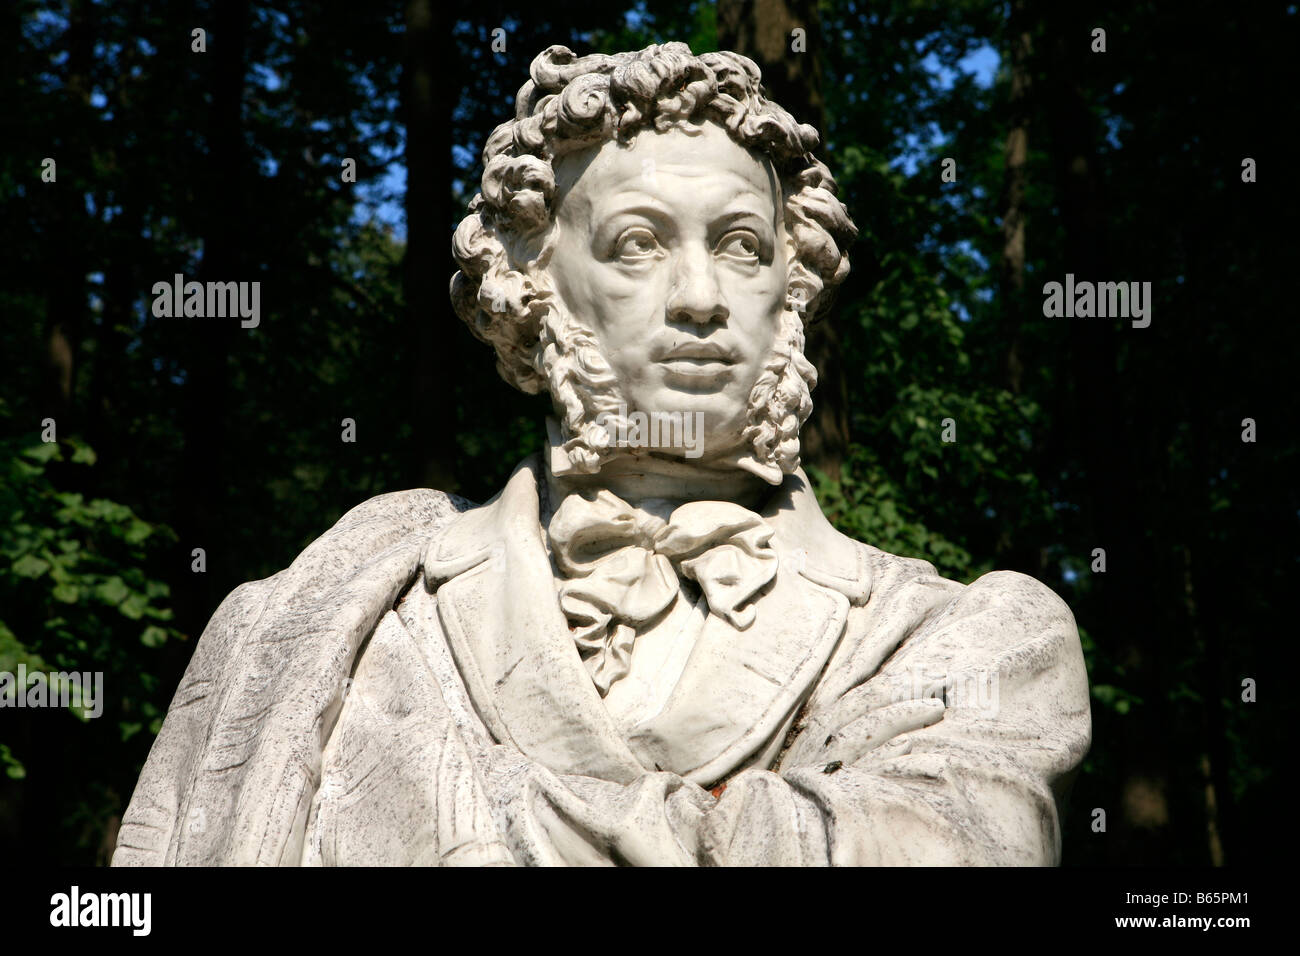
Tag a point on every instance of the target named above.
point(644, 477)
point(641, 477)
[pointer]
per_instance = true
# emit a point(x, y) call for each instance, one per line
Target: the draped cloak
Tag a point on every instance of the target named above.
point(408, 691)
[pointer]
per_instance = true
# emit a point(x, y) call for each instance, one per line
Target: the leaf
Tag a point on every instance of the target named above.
point(67, 593)
point(134, 606)
point(14, 768)
point(44, 452)
point(112, 591)
point(83, 454)
point(30, 566)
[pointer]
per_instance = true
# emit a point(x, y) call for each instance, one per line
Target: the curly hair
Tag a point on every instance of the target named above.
point(502, 291)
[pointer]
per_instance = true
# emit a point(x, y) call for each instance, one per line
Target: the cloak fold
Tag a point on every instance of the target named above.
point(408, 691)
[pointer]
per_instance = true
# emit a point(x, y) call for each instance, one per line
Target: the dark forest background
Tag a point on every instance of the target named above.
point(1072, 434)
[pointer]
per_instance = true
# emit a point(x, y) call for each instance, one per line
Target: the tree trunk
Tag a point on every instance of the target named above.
point(763, 30)
point(1015, 157)
point(427, 266)
point(66, 302)
point(1209, 712)
point(206, 457)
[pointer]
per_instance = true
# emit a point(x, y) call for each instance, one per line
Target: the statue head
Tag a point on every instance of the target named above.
point(650, 237)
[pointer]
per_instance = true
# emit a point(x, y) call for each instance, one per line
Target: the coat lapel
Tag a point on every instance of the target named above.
point(497, 604)
point(498, 608)
point(740, 689)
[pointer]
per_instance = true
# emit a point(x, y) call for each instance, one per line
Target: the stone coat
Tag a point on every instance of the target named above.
point(408, 692)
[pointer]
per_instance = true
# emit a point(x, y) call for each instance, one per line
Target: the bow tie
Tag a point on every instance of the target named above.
point(622, 566)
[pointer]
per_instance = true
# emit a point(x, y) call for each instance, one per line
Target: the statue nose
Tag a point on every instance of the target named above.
point(696, 296)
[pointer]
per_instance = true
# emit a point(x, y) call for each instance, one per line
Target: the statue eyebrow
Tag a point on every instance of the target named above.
point(643, 206)
point(732, 216)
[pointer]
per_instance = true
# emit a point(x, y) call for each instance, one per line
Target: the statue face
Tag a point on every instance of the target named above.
point(672, 250)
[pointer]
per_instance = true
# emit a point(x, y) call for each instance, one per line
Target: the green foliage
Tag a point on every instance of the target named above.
point(76, 585)
point(864, 504)
point(13, 767)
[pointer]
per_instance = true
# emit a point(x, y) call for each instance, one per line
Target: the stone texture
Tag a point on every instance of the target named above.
point(640, 652)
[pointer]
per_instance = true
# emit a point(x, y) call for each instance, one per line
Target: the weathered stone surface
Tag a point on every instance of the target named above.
point(651, 648)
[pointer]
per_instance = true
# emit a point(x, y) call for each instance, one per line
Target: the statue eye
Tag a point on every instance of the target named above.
point(636, 245)
point(741, 244)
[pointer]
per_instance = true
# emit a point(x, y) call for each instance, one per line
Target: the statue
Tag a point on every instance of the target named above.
point(651, 648)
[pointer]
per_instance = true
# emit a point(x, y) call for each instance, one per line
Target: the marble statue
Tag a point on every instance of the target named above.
point(651, 648)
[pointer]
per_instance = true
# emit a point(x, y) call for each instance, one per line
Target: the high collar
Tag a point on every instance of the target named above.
point(802, 533)
point(560, 464)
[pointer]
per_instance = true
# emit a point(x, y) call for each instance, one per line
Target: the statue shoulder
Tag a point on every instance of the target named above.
point(360, 536)
point(1023, 599)
point(1022, 602)
point(367, 530)
point(413, 508)
point(896, 568)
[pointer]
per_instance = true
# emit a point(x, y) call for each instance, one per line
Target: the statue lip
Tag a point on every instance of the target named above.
point(697, 353)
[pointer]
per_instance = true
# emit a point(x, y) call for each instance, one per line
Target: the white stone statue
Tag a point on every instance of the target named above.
point(650, 648)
